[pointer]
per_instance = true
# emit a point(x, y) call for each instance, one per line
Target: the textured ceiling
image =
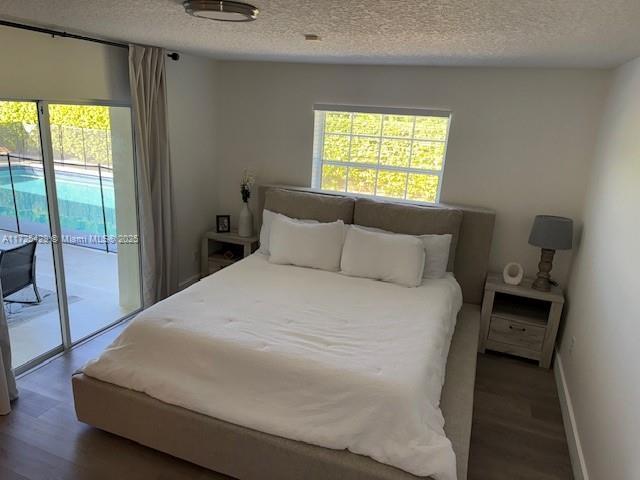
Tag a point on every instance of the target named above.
point(591, 33)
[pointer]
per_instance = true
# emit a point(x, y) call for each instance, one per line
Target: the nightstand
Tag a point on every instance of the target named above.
point(519, 320)
point(220, 250)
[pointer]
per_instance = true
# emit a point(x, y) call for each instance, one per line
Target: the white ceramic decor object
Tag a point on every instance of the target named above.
point(245, 221)
point(513, 273)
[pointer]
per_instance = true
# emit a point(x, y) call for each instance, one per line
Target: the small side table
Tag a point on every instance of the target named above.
point(520, 320)
point(220, 250)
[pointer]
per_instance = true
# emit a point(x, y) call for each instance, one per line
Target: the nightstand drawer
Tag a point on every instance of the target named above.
point(514, 333)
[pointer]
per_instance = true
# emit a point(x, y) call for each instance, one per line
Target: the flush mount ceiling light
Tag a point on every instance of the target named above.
point(221, 10)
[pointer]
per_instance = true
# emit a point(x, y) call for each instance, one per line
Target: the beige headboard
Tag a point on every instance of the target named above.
point(473, 242)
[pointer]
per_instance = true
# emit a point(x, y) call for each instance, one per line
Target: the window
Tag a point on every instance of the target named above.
point(396, 153)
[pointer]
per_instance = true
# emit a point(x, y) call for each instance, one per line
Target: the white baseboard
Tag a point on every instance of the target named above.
point(573, 438)
point(188, 282)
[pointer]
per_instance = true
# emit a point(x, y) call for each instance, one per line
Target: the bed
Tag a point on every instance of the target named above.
point(225, 349)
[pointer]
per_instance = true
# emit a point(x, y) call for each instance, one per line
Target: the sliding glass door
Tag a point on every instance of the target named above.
point(82, 203)
point(27, 274)
point(95, 184)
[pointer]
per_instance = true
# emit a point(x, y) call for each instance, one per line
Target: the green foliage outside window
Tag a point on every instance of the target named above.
point(81, 116)
point(364, 149)
point(362, 180)
point(391, 183)
point(334, 178)
point(431, 128)
point(366, 124)
point(336, 148)
point(79, 133)
point(395, 153)
point(338, 122)
point(398, 126)
point(423, 188)
point(427, 155)
point(409, 143)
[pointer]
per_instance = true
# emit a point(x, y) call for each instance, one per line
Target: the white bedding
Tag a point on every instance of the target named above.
point(315, 356)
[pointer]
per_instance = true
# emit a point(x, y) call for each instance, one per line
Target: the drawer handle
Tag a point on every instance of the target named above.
point(522, 329)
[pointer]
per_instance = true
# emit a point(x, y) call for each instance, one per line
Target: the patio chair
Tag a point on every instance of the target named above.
point(18, 270)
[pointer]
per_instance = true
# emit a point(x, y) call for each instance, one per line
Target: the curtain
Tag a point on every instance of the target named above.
point(147, 77)
point(8, 390)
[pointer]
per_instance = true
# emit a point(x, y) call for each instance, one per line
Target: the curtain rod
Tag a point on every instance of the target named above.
point(57, 33)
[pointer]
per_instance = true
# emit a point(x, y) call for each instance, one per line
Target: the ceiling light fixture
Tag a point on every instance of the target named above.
point(221, 10)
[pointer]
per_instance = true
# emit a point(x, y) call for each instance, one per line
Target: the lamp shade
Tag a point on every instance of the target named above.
point(554, 233)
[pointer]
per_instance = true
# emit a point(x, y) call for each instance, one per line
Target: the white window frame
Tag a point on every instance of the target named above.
point(320, 111)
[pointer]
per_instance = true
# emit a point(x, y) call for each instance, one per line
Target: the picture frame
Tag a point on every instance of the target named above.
point(223, 223)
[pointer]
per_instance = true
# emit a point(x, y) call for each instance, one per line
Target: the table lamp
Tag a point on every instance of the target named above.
point(550, 233)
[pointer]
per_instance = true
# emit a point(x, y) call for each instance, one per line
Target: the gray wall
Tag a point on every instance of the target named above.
point(39, 67)
point(191, 90)
point(601, 370)
point(521, 140)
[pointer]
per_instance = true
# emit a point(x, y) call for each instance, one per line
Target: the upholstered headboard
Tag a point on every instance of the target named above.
point(474, 225)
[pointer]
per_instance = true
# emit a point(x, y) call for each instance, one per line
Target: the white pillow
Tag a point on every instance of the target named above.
point(436, 246)
point(388, 257)
point(315, 245)
point(265, 231)
point(437, 254)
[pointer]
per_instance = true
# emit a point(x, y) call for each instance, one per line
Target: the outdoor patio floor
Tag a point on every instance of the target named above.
point(92, 292)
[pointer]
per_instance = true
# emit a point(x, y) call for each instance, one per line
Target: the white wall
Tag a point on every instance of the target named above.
point(38, 67)
point(601, 371)
point(191, 91)
point(521, 140)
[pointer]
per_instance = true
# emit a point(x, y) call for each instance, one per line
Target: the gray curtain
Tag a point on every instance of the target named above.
point(147, 77)
point(8, 390)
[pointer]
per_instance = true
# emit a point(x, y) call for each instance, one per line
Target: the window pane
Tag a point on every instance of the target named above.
point(81, 135)
point(362, 180)
point(364, 150)
point(33, 329)
point(338, 122)
point(391, 183)
point(397, 155)
point(366, 123)
point(398, 126)
point(431, 128)
point(395, 152)
point(422, 187)
point(336, 147)
point(427, 155)
point(334, 178)
point(95, 187)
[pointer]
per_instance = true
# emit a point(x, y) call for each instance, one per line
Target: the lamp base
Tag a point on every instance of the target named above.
point(543, 279)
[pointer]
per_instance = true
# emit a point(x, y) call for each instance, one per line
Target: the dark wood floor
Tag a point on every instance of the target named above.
point(517, 429)
point(517, 424)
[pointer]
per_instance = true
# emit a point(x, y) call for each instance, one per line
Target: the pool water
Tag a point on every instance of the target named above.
point(80, 202)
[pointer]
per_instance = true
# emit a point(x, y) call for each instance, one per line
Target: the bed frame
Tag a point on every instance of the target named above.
point(249, 454)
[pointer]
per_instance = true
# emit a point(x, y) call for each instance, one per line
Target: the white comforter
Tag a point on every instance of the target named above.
point(340, 362)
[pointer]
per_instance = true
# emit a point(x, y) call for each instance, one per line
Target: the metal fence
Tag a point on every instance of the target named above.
point(86, 146)
point(85, 216)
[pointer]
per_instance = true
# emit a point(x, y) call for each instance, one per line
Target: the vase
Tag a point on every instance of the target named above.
point(245, 221)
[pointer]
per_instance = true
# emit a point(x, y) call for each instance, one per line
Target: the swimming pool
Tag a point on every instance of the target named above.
point(80, 202)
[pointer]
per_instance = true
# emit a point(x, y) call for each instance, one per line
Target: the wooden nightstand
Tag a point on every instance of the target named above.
point(220, 250)
point(520, 320)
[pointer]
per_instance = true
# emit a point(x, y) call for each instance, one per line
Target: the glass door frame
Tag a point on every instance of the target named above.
point(55, 228)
